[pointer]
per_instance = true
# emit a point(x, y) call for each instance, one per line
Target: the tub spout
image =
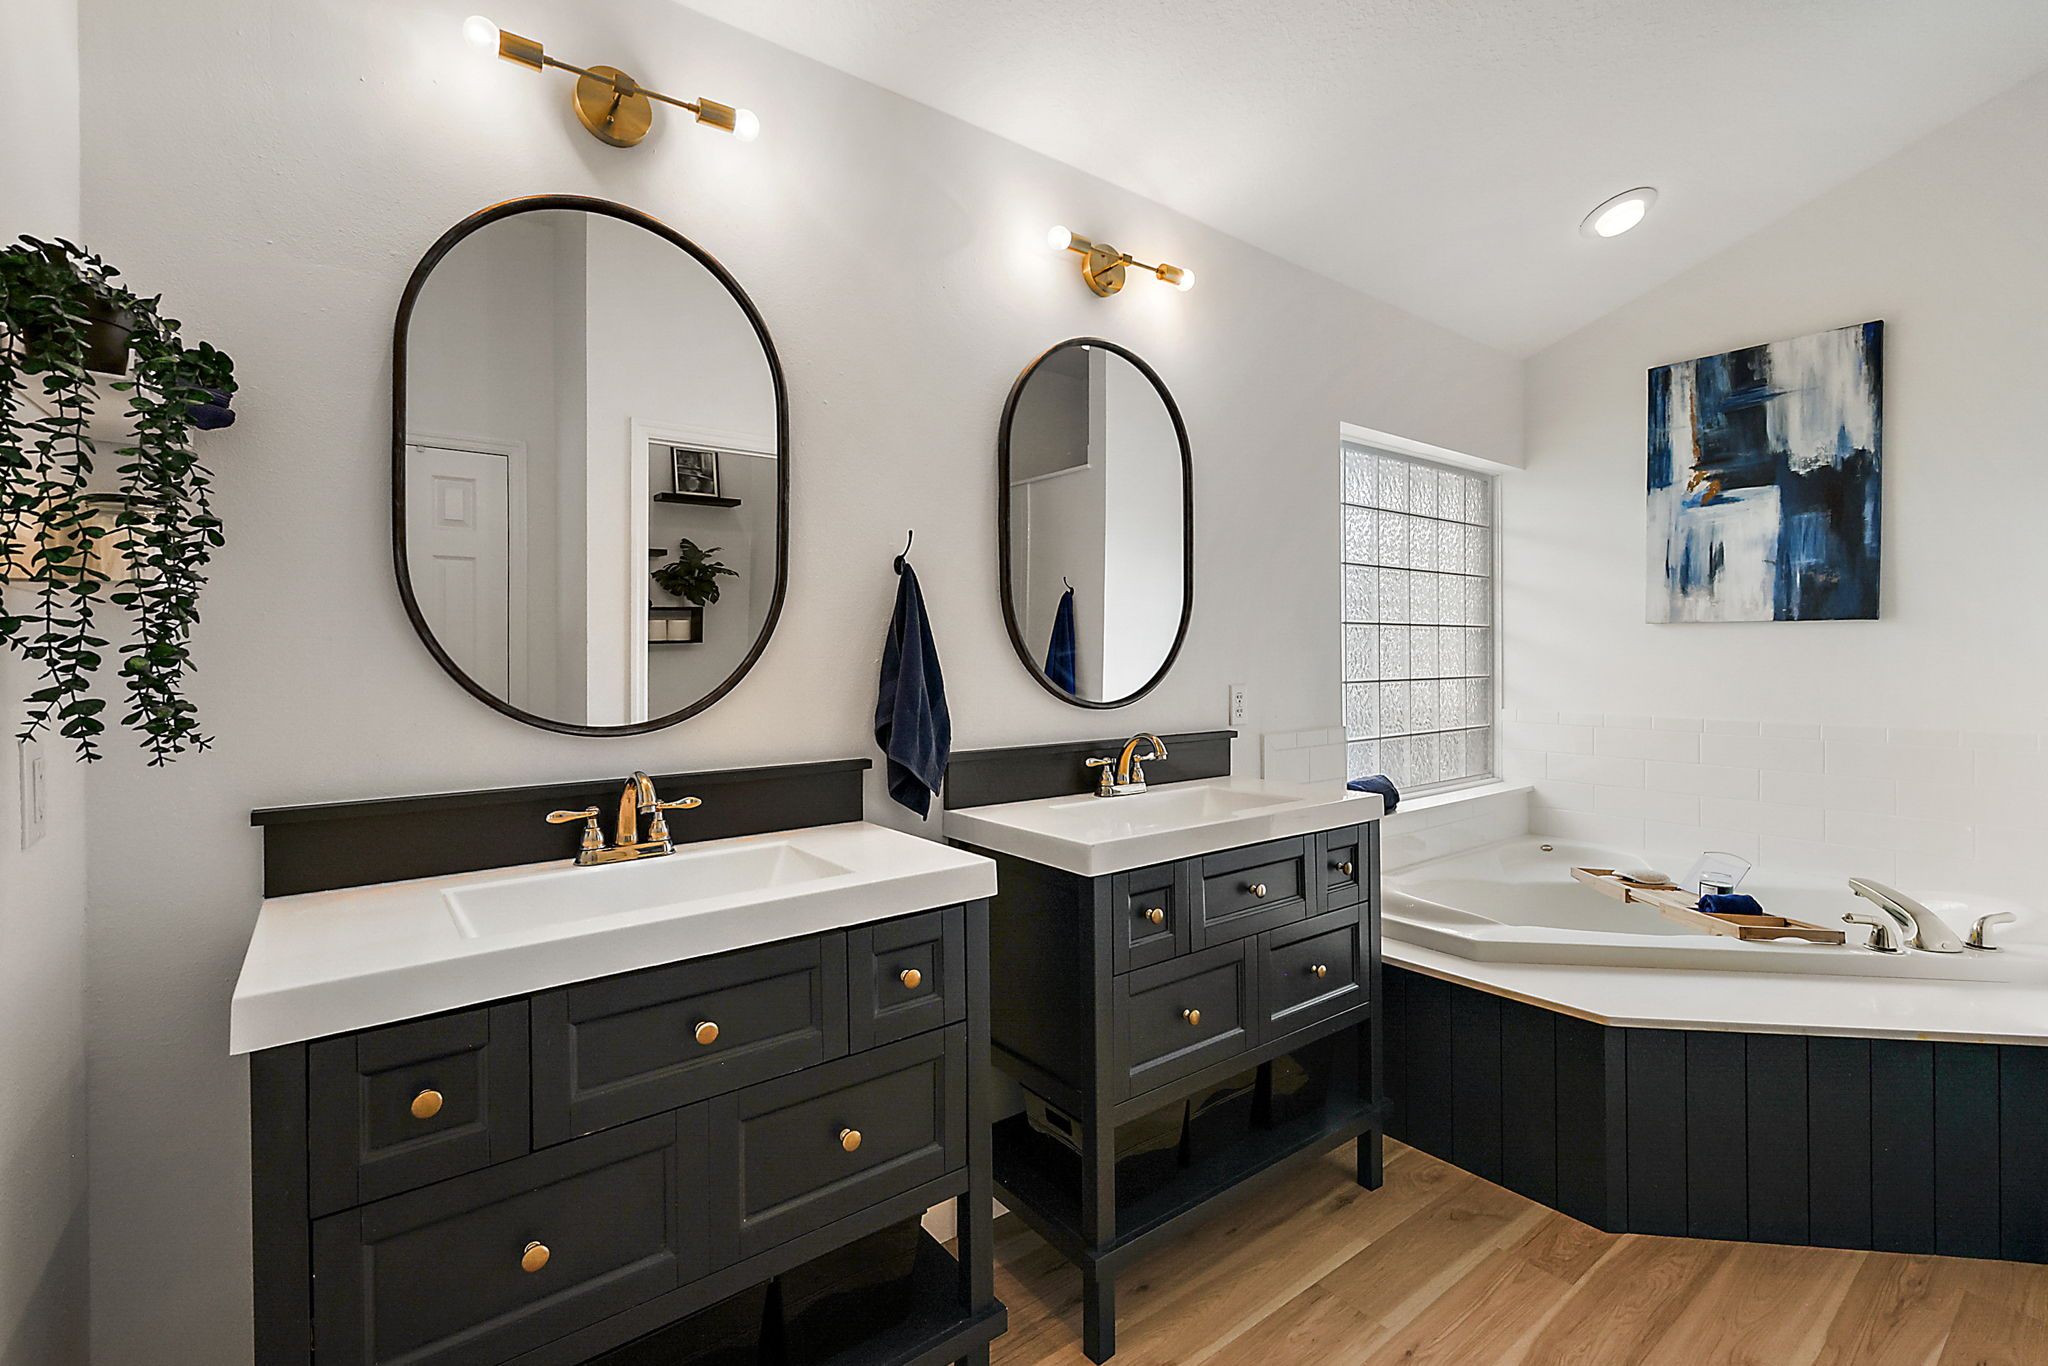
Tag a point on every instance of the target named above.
point(1922, 928)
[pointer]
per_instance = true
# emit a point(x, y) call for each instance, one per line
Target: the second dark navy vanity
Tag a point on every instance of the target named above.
point(1184, 1028)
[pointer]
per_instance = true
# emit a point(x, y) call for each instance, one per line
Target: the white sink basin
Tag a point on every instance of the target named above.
point(674, 884)
point(1096, 835)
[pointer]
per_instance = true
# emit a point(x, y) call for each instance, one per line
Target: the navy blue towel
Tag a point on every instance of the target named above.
point(1059, 652)
point(1731, 903)
point(912, 724)
point(1378, 783)
point(213, 414)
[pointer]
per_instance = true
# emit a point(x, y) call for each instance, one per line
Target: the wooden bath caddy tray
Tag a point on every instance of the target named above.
point(1675, 903)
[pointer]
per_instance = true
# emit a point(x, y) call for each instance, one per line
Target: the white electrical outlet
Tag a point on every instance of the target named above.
point(35, 792)
point(1237, 705)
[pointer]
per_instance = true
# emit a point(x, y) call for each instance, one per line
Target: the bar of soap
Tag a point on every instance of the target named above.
point(1645, 877)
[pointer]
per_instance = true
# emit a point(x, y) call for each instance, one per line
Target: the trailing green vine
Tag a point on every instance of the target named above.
point(58, 303)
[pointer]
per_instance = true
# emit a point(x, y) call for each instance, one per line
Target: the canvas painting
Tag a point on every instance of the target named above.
point(1764, 481)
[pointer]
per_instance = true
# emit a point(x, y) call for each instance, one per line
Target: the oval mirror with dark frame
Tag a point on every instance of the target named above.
point(590, 466)
point(1096, 521)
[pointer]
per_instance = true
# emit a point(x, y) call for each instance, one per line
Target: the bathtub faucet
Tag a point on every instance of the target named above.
point(1922, 928)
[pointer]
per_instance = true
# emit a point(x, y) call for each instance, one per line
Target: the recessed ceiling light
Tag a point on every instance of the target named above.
point(1616, 216)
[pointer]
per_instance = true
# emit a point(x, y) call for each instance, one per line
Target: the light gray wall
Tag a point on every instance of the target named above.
point(43, 1221)
point(898, 257)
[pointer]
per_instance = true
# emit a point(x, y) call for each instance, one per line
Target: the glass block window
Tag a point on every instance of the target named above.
point(1418, 619)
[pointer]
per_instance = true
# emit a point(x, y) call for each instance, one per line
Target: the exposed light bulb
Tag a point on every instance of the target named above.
point(746, 125)
point(1186, 281)
point(481, 32)
point(1613, 217)
point(1059, 239)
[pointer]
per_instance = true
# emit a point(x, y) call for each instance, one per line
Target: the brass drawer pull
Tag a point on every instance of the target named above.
point(1157, 915)
point(534, 1257)
point(707, 1033)
point(1193, 1017)
point(849, 1140)
point(911, 978)
point(1346, 868)
point(1257, 889)
point(426, 1104)
point(1320, 970)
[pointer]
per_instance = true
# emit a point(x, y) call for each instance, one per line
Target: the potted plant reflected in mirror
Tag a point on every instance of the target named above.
point(692, 576)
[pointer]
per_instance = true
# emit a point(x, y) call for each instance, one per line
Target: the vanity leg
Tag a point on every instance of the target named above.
point(979, 1357)
point(1370, 1172)
point(1098, 1313)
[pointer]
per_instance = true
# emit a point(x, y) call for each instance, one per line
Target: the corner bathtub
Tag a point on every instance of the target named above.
point(1516, 902)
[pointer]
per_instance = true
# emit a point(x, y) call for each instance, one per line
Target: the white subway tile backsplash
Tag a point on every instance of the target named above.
point(1627, 720)
point(1580, 718)
point(1702, 780)
point(1564, 796)
point(1762, 818)
point(1541, 716)
point(1808, 856)
point(1666, 746)
point(1933, 739)
point(1743, 751)
point(2016, 741)
point(1871, 735)
point(1590, 768)
point(1675, 807)
point(1623, 832)
point(1792, 789)
point(1724, 727)
point(1556, 739)
point(1681, 844)
point(1791, 730)
point(1691, 723)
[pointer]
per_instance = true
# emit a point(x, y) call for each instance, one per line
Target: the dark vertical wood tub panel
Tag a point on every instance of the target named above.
point(1901, 1145)
point(1656, 1131)
point(1475, 1101)
point(1779, 1198)
point(1431, 1099)
point(1838, 1168)
point(1716, 1136)
point(1528, 1101)
point(1394, 1048)
point(1592, 1082)
point(2023, 1152)
point(1966, 1149)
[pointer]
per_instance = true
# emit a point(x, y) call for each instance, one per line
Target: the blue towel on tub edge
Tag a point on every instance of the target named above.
point(912, 724)
point(1731, 903)
point(1381, 784)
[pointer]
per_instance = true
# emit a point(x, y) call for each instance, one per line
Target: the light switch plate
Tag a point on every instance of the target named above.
point(35, 791)
point(1237, 706)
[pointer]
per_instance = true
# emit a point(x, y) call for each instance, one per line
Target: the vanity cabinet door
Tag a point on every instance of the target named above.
point(391, 1109)
point(477, 1269)
point(1340, 863)
point(797, 1153)
point(1311, 971)
point(1148, 916)
point(905, 977)
point(1176, 1018)
point(621, 1048)
point(1258, 887)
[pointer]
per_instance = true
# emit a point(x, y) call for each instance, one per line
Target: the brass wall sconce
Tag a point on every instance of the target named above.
point(1102, 265)
point(615, 108)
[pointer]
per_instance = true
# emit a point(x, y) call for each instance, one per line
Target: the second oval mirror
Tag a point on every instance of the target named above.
point(1097, 523)
point(592, 467)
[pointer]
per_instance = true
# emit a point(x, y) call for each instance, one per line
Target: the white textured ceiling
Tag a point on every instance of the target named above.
point(1439, 154)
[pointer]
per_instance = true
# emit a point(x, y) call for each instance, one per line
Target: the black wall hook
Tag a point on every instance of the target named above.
point(900, 559)
point(1068, 582)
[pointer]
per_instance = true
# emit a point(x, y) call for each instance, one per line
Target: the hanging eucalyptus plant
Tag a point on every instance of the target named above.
point(63, 316)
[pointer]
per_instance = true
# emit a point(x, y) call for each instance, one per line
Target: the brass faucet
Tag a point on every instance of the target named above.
point(1124, 775)
point(638, 799)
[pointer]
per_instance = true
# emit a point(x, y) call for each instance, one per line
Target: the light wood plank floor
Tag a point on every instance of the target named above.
point(1440, 1268)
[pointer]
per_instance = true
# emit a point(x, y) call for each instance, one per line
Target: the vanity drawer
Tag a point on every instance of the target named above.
point(392, 1109)
point(1148, 916)
point(1255, 888)
point(1311, 971)
point(808, 1150)
point(440, 1277)
point(1176, 1018)
point(616, 1050)
point(1340, 863)
point(905, 977)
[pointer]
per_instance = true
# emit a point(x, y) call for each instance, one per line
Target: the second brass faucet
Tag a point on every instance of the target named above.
point(638, 799)
point(1124, 775)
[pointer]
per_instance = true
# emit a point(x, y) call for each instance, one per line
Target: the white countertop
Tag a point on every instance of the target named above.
point(1092, 835)
point(330, 962)
point(1754, 1003)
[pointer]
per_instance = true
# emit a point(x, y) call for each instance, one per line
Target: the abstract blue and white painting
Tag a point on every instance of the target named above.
point(1764, 481)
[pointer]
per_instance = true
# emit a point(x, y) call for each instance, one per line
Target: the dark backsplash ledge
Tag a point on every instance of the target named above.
point(353, 844)
point(1025, 773)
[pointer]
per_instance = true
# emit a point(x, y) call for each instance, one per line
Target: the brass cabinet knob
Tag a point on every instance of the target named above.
point(849, 1140)
point(1257, 889)
point(426, 1104)
point(1157, 915)
point(911, 978)
point(1320, 969)
point(534, 1257)
point(1193, 1017)
point(707, 1033)
point(1346, 868)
